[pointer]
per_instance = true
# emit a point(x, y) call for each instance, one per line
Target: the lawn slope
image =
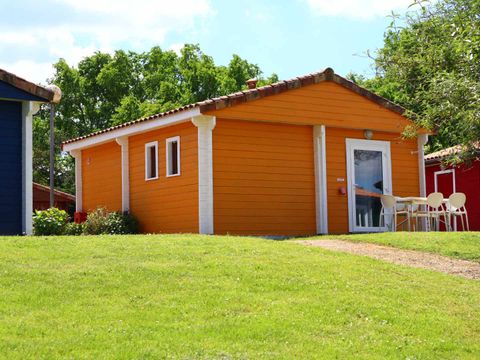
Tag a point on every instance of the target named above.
point(197, 297)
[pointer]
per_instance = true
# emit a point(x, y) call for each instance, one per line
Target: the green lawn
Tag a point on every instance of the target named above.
point(462, 245)
point(197, 297)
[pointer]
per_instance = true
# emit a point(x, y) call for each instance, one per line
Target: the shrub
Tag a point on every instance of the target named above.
point(96, 223)
point(101, 221)
point(50, 222)
point(130, 223)
point(74, 229)
point(118, 223)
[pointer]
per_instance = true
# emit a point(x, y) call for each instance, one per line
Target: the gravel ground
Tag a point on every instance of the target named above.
point(464, 268)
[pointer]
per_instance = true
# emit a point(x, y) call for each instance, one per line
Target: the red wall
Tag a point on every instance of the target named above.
point(41, 201)
point(467, 179)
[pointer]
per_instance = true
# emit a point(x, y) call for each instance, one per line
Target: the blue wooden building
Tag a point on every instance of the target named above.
point(19, 101)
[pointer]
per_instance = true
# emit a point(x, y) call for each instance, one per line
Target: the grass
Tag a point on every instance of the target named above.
point(461, 245)
point(197, 297)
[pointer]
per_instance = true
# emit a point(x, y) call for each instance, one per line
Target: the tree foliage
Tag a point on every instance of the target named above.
point(430, 64)
point(106, 90)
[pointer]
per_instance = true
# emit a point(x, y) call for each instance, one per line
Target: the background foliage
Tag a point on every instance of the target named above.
point(106, 90)
point(430, 64)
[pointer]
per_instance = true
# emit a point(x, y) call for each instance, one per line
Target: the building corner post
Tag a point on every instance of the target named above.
point(320, 168)
point(205, 125)
point(29, 108)
point(421, 142)
point(77, 155)
point(123, 142)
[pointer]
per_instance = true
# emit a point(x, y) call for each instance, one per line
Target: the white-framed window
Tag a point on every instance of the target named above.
point(173, 156)
point(151, 160)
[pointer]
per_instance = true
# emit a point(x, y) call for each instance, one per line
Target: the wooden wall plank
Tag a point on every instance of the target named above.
point(167, 204)
point(263, 178)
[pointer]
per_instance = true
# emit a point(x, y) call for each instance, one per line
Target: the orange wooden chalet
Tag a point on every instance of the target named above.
point(303, 156)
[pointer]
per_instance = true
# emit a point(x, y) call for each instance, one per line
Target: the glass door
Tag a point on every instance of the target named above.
point(369, 176)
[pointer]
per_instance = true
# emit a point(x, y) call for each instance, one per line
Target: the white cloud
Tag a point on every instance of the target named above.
point(30, 70)
point(138, 21)
point(357, 9)
point(90, 25)
point(177, 48)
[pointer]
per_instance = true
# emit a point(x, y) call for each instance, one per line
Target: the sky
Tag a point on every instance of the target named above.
point(286, 37)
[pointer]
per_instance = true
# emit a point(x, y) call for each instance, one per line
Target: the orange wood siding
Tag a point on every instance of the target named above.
point(326, 103)
point(263, 178)
point(167, 204)
point(405, 177)
point(102, 177)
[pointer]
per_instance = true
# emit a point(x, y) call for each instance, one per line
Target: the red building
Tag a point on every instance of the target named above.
point(41, 199)
point(448, 179)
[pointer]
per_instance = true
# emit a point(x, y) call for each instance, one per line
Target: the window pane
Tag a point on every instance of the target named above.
point(153, 162)
point(368, 187)
point(174, 157)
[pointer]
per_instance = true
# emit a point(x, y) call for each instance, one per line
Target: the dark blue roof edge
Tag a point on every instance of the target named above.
point(35, 92)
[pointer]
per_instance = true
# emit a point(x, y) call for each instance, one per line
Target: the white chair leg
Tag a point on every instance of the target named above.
point(463, 223)
point(466, 219)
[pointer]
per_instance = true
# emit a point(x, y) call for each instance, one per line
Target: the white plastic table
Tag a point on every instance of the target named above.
point(409, 201)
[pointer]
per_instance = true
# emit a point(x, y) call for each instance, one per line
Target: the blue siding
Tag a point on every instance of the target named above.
point(10, 167)
point(8, 91)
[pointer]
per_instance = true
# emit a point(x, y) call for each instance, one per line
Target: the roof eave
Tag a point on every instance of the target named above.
point(215, 104)
point(130, 130)
point(26, 86)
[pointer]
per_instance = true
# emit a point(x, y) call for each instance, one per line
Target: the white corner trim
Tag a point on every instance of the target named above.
point(29, 108)
point(123, 142)
point(175, 118)
point(205, 125)
point(421, 142)
point(147, 160)
point(77, 155)
point(168, 155)
point(320, 158)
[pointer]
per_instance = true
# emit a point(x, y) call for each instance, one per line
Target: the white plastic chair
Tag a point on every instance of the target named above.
point(434, 210)
point(389, 202)
point(456, 207)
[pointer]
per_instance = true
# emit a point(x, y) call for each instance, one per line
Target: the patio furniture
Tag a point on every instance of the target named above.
point(456, 207)
point(389, 203)
point(433, 212)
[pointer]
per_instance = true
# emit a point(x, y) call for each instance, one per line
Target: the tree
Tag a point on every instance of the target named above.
point(104, 90)
point(431, 66)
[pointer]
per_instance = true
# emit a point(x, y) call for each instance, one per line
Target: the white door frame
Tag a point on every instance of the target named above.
point(374, 145)
point(444, 172)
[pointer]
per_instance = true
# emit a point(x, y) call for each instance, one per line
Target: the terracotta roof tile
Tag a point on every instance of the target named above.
point(258, 93)
point(439, 155)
